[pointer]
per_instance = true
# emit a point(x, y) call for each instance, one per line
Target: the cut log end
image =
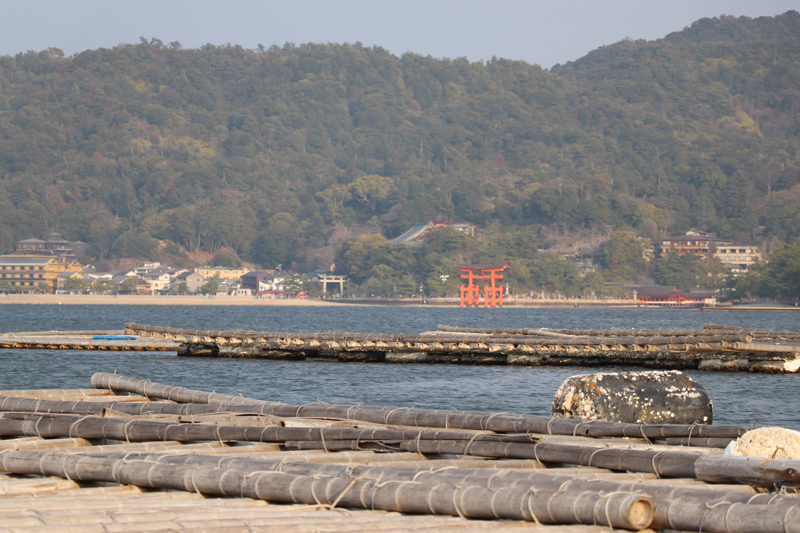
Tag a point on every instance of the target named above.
point(640, 514)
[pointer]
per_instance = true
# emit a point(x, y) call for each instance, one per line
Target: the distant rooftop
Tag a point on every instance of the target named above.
point(415, 235)
point(411, 235)
point(25, 260)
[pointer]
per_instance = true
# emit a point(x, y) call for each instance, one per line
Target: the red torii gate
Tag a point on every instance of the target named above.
point(471, 293)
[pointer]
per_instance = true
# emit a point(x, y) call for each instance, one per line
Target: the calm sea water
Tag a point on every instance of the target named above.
point(739, 398)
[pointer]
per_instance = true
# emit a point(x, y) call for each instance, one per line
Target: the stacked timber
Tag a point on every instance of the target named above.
point(711, 348)
point(89, 460)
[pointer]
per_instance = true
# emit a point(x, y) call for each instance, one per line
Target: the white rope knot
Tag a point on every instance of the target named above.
point(531, 495)
point(72, 426)
point(486, 423)
point(641, 429)
point(709, 507)
point(655, 469)
point(455, 503)
point(691, 429)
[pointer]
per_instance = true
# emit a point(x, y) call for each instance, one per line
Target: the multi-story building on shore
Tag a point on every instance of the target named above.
point(734, 256)
point(54, 244)
point(738, 257)
point(27, 272)
point(222, 272)
point(697, 242)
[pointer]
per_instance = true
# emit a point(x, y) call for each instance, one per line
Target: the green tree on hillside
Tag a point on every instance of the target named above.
point(623, 256)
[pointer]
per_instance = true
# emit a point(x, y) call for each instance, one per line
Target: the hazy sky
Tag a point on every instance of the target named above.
point(543, 32)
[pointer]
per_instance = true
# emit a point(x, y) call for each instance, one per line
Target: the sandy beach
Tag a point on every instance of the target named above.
point(133, 299)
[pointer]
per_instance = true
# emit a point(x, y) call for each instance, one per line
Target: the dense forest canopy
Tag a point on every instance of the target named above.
point(282, 154)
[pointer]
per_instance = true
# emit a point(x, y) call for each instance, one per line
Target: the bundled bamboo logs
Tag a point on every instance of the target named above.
point(619, 510)
point(508, 469)
point(470, 420)
point(768, 473)
point(464, 420)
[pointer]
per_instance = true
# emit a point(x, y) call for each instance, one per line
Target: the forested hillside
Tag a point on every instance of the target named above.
point(279, 154)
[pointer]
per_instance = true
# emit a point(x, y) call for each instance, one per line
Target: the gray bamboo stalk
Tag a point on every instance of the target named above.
point(148, 389)
point(770, 473)
point(584, 332)
point(618, 510)
point(498, 422)
point(488, 477)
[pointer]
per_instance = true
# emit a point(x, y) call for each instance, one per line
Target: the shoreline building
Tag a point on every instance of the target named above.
point(26, 272)
point(54, 244)
point(672, 296)
point(734, 256)
point(738, 257)
point(222, 272)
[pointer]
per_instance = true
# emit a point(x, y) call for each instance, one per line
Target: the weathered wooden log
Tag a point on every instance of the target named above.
point(546, 479)
point(385, 416)
point(148, 389)
point(767, 473)
point(43, 393)
point(764, 347)
point(654, 397)
point(61, 333)
point(757, 332)
point(93, 427)
point(683, 508)
point(705, 442)
point(755, 471)
point(497, 422)
point(611, 332)
point(619, 510)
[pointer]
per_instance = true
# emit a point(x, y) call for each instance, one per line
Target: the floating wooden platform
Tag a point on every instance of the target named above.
point(83, 340)
point(715, 347)
point(133, 455)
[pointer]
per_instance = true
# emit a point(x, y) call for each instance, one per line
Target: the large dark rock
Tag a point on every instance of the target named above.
point(659, 397)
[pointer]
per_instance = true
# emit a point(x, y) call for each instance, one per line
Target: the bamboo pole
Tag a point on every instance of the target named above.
point(403, 416)
point(165, 518)
point(691, 511)
point(298, 525)
point(697, 507)
point(498, 422)
point(40, 444)
point(61, 333)
point(578, 479)
point(83, 492)
point(759, 332)
point(585, 332)
point(149, 389)
point(326, 438)
point(57, 392)
point(619, 510)
point(132, 430)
